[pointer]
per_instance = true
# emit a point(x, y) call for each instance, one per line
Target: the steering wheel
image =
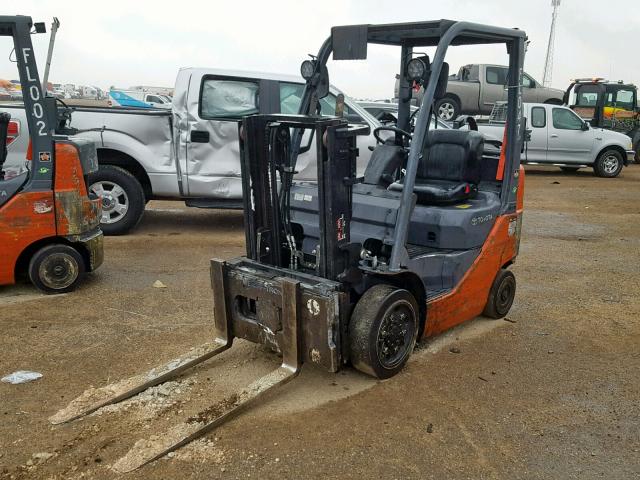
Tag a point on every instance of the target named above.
point(390, 129)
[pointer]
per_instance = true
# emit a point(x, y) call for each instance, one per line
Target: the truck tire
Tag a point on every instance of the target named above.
point(383, 331)
point(122, 197)
point(447, 109)
point(56, 268)
point(608, 164)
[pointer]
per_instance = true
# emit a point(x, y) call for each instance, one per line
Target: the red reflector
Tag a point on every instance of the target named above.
point(467, 189)
point(13, 131)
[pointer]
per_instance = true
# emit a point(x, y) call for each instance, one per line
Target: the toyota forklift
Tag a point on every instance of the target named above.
point(353, 270)
point(49, 224)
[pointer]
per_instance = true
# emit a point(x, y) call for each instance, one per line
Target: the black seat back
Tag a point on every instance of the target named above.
point(383, 165)
point(453, 155)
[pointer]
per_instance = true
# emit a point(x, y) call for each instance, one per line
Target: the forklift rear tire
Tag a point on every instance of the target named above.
point(383, 331)
point(501, 296)
point(123, 199)
point(56, 268)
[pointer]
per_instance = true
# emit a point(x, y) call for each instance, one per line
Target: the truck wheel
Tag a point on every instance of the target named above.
point(447, 109)
point(383, 330)
point(501, 295)
point(609, 164)
point(56, 268)
point(122, 199)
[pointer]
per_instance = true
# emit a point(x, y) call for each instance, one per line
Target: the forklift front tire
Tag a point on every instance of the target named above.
point(501, 295)
point(383, 330)
point(56, 268)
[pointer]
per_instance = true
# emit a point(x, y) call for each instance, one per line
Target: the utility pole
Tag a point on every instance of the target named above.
point(548, 64)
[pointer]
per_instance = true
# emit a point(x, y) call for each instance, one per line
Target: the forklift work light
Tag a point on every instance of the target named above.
point(307, 68)
point(417, 69)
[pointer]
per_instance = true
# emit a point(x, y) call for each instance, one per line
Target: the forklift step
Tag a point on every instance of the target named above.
point(94, 399)
point(146, 451)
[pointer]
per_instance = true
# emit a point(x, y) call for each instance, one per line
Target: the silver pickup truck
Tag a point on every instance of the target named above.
point(476, 87)
point(190, 152)
point(561, 138)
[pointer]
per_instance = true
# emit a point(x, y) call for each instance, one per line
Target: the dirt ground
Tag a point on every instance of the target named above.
point(553, 393)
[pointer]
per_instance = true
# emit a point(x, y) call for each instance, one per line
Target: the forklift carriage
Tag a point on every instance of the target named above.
point(375, 261)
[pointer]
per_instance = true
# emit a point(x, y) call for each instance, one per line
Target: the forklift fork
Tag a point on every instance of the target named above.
point(181, 434)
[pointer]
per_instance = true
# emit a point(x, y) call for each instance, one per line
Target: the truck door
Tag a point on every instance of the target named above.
point(494, 87)
point(568, 142)
point(536, 148)
point(216, 103)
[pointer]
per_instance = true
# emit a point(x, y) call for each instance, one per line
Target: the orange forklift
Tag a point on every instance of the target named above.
point(353, 270)
point(49, 224)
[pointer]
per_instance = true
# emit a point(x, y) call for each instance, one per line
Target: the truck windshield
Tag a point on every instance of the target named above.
point(291, 95)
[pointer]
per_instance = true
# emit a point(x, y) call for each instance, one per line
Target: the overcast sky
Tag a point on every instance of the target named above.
point(125, 42)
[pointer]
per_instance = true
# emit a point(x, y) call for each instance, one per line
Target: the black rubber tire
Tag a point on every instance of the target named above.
point(56, 268)
point(600, 167)
point(365, 328)
point(501, 295)
point(134, 195)
point(455, 108)
point(570, 169)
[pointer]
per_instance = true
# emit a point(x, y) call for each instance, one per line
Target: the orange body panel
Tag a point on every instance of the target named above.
point(32, 216)
point(25, 219)
point(469, 298)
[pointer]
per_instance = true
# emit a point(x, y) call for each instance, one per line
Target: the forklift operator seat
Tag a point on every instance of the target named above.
point(449, 169)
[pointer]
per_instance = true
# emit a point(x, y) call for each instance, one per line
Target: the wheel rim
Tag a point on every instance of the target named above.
point(58, 271)
point(610, 164)
point(446, 111)
point(504, 296)
point(115, 202)
point(395, 334)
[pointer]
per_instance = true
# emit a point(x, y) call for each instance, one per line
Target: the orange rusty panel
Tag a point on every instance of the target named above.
point(75, 213)
point(468, 299)
point(26, 218)
point(69, 174)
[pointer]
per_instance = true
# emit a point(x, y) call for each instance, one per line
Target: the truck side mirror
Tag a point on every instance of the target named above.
point(585, 126)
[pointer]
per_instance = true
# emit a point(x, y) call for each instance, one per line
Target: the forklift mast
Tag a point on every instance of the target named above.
point(39, 115)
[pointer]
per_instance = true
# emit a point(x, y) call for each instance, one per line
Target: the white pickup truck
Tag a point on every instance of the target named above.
point(561, 138)
point(190, 152)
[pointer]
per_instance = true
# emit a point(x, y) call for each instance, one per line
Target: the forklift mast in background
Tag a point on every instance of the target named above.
point(39, 116)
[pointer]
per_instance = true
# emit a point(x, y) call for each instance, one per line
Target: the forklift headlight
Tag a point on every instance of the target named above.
point(416, 70)
point(307, 68)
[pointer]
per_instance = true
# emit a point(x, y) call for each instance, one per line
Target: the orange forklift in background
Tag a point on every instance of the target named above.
point(49, 224)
